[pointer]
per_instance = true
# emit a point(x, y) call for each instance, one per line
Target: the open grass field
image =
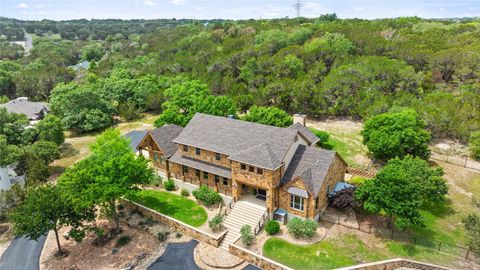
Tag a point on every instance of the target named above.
point(172, 205)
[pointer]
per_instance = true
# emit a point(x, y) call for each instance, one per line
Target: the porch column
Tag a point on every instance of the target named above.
point(236, 190)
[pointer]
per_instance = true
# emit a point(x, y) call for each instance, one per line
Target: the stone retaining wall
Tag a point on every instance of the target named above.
point(178, 225)
point(256, 259)
point(395, 264)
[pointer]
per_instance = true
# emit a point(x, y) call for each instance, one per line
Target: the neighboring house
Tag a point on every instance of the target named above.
point(279, 167)
point(8, 177)
point(35, 111)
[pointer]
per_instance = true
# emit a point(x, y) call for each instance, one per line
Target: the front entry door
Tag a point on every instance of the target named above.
point(261, 194)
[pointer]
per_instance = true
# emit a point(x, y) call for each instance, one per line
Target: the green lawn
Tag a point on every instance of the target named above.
point(172, 205)
point(343, 251)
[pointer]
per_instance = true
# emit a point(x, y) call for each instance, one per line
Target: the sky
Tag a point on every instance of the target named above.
point(233, 9)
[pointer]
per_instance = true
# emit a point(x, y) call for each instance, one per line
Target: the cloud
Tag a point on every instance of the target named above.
point(149, 3)
point(22, 5)
point(177, 2)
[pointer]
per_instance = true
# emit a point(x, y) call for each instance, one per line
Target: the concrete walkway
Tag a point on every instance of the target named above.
point(22, 254)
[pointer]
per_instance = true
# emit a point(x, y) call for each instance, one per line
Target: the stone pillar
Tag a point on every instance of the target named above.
point(300, 118)
point(236, 190)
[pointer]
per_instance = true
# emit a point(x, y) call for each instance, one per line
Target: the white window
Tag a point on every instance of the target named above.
point(296, 202)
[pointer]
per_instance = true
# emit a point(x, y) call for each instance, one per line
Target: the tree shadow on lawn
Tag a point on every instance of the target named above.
point(67, 150)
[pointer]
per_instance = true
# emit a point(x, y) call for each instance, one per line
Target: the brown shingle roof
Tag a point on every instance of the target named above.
point(311, 164)
point(252, 143)
point(312, 138)
point(164, 136)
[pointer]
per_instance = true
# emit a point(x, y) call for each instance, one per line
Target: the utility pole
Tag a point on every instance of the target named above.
point(298, 6)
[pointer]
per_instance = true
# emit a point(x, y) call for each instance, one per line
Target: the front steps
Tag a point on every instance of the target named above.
point(242, 213)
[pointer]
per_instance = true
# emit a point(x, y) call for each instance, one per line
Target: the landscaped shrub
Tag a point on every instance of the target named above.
point(207, 196)
point(169, 185)
point(123, 240)
point(294, 227)
point(302, 228)
point(156, 180)
point(272, 227)
point(216, 222)
point(185, 192)
point(344, 199)
point(247, 234)
point(162, 236)
point(309, 228)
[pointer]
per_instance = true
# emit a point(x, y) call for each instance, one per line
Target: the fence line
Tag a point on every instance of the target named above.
point(406, 237)
point(456, 160)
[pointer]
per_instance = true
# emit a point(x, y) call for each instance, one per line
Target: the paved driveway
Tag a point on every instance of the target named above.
point(178, 256)
point(22, 254)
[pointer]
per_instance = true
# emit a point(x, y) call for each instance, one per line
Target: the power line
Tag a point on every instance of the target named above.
point(298, 6)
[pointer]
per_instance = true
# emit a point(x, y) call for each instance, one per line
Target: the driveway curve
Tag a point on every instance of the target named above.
point(22, 254)
point(178, 256)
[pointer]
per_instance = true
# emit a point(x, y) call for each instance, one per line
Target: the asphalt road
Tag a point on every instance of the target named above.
point(178, 256)
point(22, 254)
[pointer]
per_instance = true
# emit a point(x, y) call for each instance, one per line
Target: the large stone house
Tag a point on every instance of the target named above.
point(280, 167)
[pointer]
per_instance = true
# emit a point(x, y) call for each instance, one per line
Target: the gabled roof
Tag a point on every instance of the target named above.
point(260, 155)
point(135, 137)
point(306, 133)
point(22, 106)
point(164, 136)
point(311, 165)
point(252, 143)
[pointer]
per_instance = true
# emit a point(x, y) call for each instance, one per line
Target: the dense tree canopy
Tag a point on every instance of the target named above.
point(51, 129)
point(322, 67)
point(401, 189)
point(396, 134)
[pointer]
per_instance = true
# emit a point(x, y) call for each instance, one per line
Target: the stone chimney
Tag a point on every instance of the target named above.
point(300, 118)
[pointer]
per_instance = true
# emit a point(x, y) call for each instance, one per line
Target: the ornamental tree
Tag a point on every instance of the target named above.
point(401, 189)
point(396, 134)
point(109, 173)
point(45, 209)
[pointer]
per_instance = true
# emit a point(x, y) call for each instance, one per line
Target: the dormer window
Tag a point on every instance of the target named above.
point(185, 148)
point(197, 151)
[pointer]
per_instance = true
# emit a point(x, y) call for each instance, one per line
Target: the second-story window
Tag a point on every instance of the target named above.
point(185, 148)
point(259, 171)
point(197, 151)
point(243, 166)
point(217, 156)
point(251, 169)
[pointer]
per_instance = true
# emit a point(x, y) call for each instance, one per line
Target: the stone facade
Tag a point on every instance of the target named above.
point(205, 155)
point(266, 180)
